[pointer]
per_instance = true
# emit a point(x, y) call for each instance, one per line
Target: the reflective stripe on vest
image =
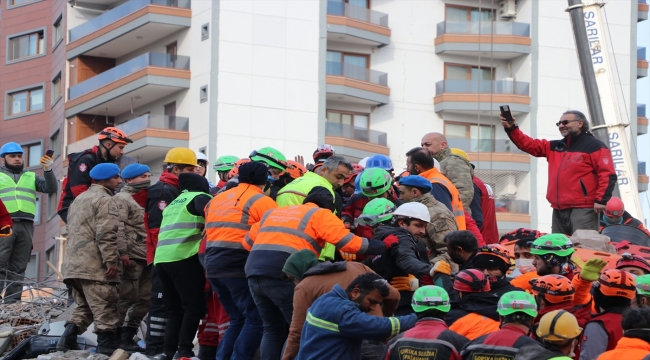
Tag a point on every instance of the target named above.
point(241, 225)
point(299, 232)
point(19, 196)
point(456, 204)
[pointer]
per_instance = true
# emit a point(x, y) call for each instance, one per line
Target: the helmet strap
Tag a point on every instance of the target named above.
point(108, 155)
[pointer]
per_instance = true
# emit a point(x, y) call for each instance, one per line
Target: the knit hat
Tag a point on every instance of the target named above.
point(134, 170)
point(193, 182)
point(254, 173)
point(104, 171)
point(298, 263)
point(320, 196)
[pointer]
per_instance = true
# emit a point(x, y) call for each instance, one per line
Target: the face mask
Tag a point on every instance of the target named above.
point(142, 185)
point(525, 265)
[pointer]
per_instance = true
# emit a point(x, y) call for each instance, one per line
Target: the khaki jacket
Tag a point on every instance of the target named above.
point(131, 230)
point(442, 223)
point(460, 173)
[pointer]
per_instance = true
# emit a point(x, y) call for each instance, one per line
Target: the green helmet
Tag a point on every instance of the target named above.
point(643, 285)
point(517, 301)
point(376, 211)
point(270, 156)
point(374, 182)
point(430, 297)
point(557, 244)
point(225, 163)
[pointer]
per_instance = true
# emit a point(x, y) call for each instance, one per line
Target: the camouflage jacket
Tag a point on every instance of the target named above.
point(92, 236)
point(459, 172)
point(442, 223)
point(131, 230)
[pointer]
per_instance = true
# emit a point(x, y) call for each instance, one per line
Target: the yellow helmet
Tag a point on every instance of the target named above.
point(182, 156)
point(558, 325)
point(461, 153)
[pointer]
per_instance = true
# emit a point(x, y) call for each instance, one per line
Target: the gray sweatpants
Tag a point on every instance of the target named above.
point(569, 220)
point(15, 252)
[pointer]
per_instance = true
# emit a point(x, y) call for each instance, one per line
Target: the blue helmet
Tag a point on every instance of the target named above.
point(357, 184)
point(11, 148)
point(380, 161)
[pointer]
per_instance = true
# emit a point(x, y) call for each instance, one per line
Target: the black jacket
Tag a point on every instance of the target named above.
point(160, 195)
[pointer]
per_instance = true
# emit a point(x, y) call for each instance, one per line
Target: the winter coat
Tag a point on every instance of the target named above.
point(159, 195)
point(539, 352)
point(626, 219)
point(47, 185)
point(627, 348)
point(421, 340)
point(460, 173)
point(489, 228)
point(78, 180)
point(5, 217)
point(442, 223)
point(132, 230)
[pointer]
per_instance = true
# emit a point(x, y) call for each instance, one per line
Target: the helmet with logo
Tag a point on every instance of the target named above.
point(487, 256)
point(614, 282)
point(356, 170)
point(556, 244)
point(225, 163)
point(628, 259)
point(558, 326)
point(496, 250)
point(554, 288)
point(11, 148)
point(643, 285)
point(295, 169)
point(323, 152)
point(471, 280)
point(374, 182)
point(114, 134)
point(379, 161)
point(376, 211)
point(615, 207)
point(235, 169)
point(270, 156)
point(520, 234)
point(430, 297)
point(413, 210)
point(181, 156)
point(460, 153)
point(517, 302)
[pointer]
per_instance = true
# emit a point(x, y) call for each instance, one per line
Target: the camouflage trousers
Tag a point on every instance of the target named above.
point(96, 302)
point(135, 294)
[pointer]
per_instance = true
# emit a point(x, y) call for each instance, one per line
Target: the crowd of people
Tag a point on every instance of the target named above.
point(335, 260)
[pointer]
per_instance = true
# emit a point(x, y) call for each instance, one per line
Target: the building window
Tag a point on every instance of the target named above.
point(57, 30)
point(32, 154)
point(205, 34)
point(50, 255)
point(52, 205)
point(55, 143)
point(27, 45)
point(470, 137)
point(348, 125)
point(464, 14)
point(349, 65)
point(468, 72)
point(25, 101)
point(57, 88)
point(31, 272)
point(16, 3)
point(204, 93)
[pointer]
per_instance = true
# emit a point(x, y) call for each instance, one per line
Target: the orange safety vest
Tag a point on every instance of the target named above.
point(230, 214)
point(436, 177)
point(474, 325)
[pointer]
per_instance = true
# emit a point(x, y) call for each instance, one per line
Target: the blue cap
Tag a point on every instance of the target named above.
point(134, 170)
point(104, 171)
point(416, 181)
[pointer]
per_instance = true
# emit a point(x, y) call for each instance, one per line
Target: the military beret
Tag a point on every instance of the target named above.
point(134, 170)
point(416, 181)
point(104, 171)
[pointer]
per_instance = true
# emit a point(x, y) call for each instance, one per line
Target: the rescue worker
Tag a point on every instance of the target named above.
point(525, 271)
point(202, 169)
point(229, 216)
point(517, 311)
point(643, 291)
point(475, 205)
point(613, 294)
point(282, 232)
point(462, 247)
point(635, 343)
point(222, 166)
point(476, 314)
point(559, 333)
point(5, 221)
point(374, 183)
point(92, 265)
point(615, 214)
point(159, 195)
point(112, 142)
point(376, 213)
point(18, 189)
point(274, 159)
point(489, 228)
point(294, 170)
point(553, 255)
point(634, 264)
point(322, 153)
point(555, 292)
point(233, 175)
point(135, 288)
point(338, 321)
point(453, 167)
point(177, 263)
point(430, 338)
point(494, 261)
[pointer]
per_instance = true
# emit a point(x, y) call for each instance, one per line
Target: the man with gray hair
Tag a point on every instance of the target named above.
point(581, 174)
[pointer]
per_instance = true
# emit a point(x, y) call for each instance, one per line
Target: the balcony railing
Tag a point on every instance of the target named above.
point(641, 168)
point(640, 110)
point(483, 87)
point(340, 8)
point(640, 53)
point(512, 206)
point(119, 12)
point(642, 1)
point(484, 145)
point(355, 133)
point(357, 73)
point(127, 68)
point(483, 28)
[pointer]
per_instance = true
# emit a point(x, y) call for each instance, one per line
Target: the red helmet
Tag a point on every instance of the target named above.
point(114, 134)
point(628, 259)
point(615, 207)
point(356, 170)
point(323, 152)
point(520, 234)
point(614, 282)
point(471, 280)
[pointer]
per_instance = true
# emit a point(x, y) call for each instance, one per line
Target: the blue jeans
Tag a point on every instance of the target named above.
point(274, 300)
point(244, 334)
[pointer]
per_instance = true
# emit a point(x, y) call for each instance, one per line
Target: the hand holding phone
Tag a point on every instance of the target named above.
point(49, 153)
point(507, 120)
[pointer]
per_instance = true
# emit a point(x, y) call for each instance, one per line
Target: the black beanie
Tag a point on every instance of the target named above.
point(253, 173)
point(321, 197)
point(193, 182)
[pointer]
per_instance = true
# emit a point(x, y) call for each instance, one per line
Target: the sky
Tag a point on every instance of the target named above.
point(643, 97)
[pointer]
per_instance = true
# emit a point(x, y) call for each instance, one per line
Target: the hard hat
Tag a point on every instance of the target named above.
point(363, 161)
point(225, 163)
point(498, 251)
point(558, 325)
point(615, 207)
point(430, 297)
point(520, 234)
point(555, 288)
point(323, 152)
point(614, 282)
point(643, 285)
point(471, 280)
point(414, 210)
point(11, 148)
point(201, 156)
point(374, 182)
point(181, 156)
point(628, 259)
point(557, 244)
point(357, 184)
point(376, 211)
point(356, 170)
point(517, 302)
point(114, 134)
point(461, 153)
point(235, 169)
point(295, 169)
point(269, 156)
point(379, 161)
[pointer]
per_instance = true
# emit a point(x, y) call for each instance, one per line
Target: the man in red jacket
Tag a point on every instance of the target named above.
point(581, 174)
point(489, 228)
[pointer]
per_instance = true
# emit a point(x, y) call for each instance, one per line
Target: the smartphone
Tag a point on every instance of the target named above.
point(49, 153)
point(505, 112)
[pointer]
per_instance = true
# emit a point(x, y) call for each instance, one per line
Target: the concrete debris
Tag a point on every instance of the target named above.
point(591, 239)
point(72, 355)
point(138, 356)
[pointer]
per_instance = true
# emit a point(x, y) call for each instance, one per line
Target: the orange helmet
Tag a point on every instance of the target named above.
point(235, 168)
point(614, 282)
point(491, 252)
point(554, 288)
point(496, 250)
point(114, 134)
point(295, 169)
point(356, 170)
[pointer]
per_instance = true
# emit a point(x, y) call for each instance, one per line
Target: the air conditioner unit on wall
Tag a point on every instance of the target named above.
point(507, 9)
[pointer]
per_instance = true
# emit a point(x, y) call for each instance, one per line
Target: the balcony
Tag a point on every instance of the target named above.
point(140, 80)
point(493, 154)
point(469, 96)
point(356, 84)
point(641, 120)
point(152, 135)
point(643, 11)
point(641, 63)
point(356, 143)
point(356, 25)
point(505, 39)
point(128, 27)
point(643, 177)
point(512, 214)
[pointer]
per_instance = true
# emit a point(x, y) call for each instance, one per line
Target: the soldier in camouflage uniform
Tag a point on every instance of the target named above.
point(454, 167)
point(92, 265)
point(135, 288)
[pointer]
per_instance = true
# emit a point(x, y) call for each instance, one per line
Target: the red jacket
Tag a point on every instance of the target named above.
point(5, 217)
point(580, 168)
point(431, 338)
point(471, 226)
point(77, 180)
point(489, 228)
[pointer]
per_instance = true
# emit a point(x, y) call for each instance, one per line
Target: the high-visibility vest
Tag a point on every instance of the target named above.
point(180, 231)
point(19, 196)
point(436, 177)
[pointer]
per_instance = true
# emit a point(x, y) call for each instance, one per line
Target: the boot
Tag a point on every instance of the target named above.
point(207, 352)
point(68, 340)
point(105, 343)
point(126, 341)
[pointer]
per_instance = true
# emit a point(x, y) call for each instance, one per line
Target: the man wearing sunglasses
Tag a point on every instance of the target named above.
point(581, 175)
point(615, 214)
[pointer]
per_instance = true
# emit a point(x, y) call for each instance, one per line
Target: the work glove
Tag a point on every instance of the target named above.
point(405, 283)
point(441, 267)
point(592, 268)
point(47, 163)
point(390, 241)
point(5, 231)
point(348, 256)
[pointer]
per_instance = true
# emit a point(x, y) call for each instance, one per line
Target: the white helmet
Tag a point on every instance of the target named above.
point(201, 156)
point(363, 161)
point(414, 210)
